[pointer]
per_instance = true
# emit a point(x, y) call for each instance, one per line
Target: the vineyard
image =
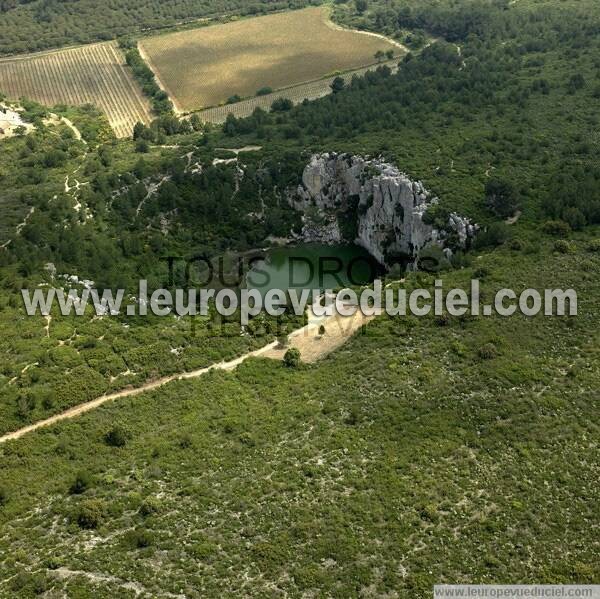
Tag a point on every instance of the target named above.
point(297, 93)
point(204, 67)
point(94, 74)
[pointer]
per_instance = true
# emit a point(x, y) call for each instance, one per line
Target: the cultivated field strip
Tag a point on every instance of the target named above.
point(203, 67)
point(297, 93)
point(94, 74)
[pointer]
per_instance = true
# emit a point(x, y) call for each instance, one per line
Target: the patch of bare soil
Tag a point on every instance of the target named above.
point(315, 342)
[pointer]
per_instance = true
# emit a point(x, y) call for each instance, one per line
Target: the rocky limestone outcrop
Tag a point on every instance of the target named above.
point(370, 202)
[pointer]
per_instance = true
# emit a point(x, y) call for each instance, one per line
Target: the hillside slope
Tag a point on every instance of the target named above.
point(403, 460)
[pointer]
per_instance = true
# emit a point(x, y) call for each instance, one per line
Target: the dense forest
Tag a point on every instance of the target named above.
point(513, 96)
point(41, 24)
point(201, 210)
point(511, 107)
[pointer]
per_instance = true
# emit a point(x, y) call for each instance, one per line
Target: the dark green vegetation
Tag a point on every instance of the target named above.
point(131, 212)
point(407, 458)
point(426, 450)
point(161, 105)
point(512, 96)
point(135, 207)
point(33, 168)
point(38, 24)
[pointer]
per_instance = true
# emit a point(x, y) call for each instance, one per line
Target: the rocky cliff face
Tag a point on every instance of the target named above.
point(370, 202)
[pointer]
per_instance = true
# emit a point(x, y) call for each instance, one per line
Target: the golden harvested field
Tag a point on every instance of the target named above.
point(203, 67)
point(94, 74)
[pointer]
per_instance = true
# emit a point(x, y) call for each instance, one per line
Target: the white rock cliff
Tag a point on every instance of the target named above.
point(386, 205)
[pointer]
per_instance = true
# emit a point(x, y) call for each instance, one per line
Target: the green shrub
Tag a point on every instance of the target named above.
point(594, 245)
point(90, 514)
point(25, 405)
point(282, 105)
point(442, 321)
point(432, 259)
point(186, 441)
point(556, 228)
point(488, 351)
point(82, 482)
point(322, 330)
point(587, 265)
point(429, 513)
point(458, 348)
point(574, 218)
point(328, 408)
point(53, 563)
point(516, 245)
point(292, 358)
point(81, 384)
point(3, 497)
point(247, 439)
point(562, 246)
point(66, 357)
point(495, 235)
point(492, 562)
point(149, 506)
point(117, 436)
point(26, 584)
point(353, 417)
point(204, 551)
point(269, 555)
point(138, 539)
point(501, 197)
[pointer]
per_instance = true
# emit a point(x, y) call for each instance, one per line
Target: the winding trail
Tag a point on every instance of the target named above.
point(312, 346)
point(337, 27)
point(151, 386)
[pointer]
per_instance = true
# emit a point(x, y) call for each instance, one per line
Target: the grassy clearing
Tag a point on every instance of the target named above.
point(93, 74)
point(204, 67)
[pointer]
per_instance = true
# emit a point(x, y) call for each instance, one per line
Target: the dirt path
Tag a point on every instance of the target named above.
point(312, 346)
point(54, 119)
point(19, 227)
point(513, 220)
point(22, 225)
point(76, 131)
point(336, 27)
point(152, 188)
point(238, 151)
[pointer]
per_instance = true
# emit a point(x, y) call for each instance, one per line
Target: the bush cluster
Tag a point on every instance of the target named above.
point(161, 105)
